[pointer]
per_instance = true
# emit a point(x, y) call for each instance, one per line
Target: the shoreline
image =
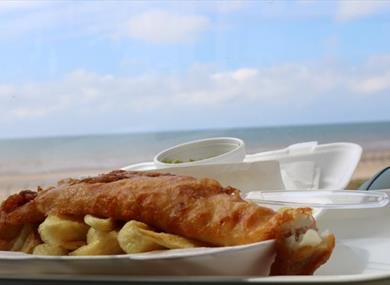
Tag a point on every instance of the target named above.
point(370, 163)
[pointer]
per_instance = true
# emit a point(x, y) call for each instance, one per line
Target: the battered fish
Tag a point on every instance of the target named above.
point(198, 209)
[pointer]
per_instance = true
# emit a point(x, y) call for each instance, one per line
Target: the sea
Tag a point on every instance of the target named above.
point(43, 155)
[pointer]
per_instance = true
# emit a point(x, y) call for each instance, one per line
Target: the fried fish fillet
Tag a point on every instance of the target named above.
point(198, 209)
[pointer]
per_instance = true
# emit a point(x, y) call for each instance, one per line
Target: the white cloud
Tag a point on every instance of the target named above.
point(64, 19)
point(7, 90)
point(378, 62)
point(355, 9)
point(241, 74)
point(159, 26)
point(373, 84)
point(28, 113)
point(88, 93)
point(159, 22)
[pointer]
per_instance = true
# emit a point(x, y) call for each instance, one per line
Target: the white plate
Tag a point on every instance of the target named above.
point(253, 259)
point(361, 255)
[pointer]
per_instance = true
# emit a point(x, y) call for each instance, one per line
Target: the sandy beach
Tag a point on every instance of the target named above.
point(12, 183)
point(371, 162)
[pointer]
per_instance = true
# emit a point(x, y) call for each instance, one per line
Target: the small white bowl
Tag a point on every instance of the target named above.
point(205, 151)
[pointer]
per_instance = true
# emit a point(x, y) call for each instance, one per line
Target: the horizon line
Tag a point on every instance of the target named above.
point(164, 131)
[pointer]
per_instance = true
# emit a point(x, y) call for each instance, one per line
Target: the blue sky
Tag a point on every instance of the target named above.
point(86, 67)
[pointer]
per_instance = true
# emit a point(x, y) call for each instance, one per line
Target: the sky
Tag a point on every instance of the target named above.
point(98, 67)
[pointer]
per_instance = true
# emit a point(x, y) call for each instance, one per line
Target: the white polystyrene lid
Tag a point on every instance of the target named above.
point(311, 165)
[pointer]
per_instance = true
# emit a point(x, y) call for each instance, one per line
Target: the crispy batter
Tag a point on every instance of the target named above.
point(197, 209)
point(301, 260)
point(8, 231)
point(17, 200)
point(292, 258)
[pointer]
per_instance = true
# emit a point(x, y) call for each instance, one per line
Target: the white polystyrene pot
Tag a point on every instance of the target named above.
point(205, 151)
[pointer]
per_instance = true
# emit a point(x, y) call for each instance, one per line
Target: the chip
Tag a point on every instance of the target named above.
point(104, 225)
point(92, 235)
point(64, 232)
point(131, 240)
point(169, 240)
point(31, 242)
point(49, 249)
point(95, 236)
point(19, 241)
point(100, 243)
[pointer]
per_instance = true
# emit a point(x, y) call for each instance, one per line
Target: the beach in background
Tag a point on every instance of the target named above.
point(27, 163)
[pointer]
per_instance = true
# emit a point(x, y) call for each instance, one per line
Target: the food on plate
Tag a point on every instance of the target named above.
point(64, 232)
point(300, 248)
point(104, 225)
point(26, 240)
point(131, 239)
point(169, 240)
point(110, 213)
point(49, 249)
point(99, 243)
